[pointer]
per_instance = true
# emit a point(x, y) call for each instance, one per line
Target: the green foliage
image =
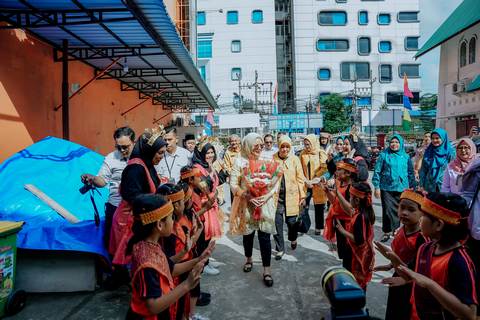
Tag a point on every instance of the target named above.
point(427, 102)
point(336, 115)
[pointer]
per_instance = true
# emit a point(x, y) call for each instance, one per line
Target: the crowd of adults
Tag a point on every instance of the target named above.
point(271, 185)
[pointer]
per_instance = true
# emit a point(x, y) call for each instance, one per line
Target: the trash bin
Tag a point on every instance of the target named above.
point(11, 301)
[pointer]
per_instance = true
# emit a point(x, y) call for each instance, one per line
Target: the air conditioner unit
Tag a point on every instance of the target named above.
point(458, 87)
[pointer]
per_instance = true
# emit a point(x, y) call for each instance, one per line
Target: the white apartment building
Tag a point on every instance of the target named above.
point(336, 41)
point(235, 39)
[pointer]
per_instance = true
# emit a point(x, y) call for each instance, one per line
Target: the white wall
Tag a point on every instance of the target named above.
point(257, 42)
point(308, 59)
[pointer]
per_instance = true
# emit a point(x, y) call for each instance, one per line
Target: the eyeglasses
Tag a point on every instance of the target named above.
point(122, 147)
point(463, 148)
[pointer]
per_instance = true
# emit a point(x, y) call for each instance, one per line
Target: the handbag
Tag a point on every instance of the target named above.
point(303, 221)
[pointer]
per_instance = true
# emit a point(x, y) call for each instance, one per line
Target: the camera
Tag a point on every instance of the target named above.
point(86, 187)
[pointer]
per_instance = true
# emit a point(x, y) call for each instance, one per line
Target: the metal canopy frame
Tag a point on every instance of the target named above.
point(102, 31)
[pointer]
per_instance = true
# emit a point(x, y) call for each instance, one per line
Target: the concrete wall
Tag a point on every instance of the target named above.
point(30, 88)
point(451, 107)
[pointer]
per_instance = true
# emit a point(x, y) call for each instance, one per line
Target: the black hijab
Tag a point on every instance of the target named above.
point(199, 155)
point(144, 151)
point(359, 146)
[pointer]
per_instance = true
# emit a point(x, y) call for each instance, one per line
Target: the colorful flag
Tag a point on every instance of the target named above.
point(275, 111)
point(209, 123)
point(406, 93)
point(406, 120)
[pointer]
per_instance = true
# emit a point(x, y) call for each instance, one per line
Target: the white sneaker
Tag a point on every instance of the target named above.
point(210, 270)
point(196, 316)
point(214, 264)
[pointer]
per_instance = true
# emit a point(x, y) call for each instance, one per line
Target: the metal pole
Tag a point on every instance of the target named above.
point(370, 123)
point(65, 109)
point(240, 94)
point(393, 127)
point(256, 92)
point(308, 113)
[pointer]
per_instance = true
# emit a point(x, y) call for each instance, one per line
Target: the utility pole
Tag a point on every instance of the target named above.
point(256, 90)
point(309, 105)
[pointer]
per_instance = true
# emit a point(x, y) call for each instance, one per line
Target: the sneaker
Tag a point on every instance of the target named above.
point(210, 270)
point(279, 255)
point(196, 316)
point(214, 264)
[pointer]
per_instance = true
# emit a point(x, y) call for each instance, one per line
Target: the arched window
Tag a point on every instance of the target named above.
point(463, 54)
point(472, 50)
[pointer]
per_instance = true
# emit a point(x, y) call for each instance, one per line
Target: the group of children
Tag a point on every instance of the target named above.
point(434, 276)
point(168, 248)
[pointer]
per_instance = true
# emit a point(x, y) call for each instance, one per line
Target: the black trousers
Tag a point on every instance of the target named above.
point(319, 210)
point(265, 246)
point(292, 226)
point(109, 211)
point(390, 220)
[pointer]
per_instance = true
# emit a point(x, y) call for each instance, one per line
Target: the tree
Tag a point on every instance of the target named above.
point(336, 116)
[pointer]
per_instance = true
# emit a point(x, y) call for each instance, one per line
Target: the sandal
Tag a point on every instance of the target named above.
point(293, 245)
point(268, 280)
point(247, 267)
point(385, 238)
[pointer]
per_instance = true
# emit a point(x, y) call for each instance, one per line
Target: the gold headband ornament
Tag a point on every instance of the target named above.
point(439, 212)
point(174, 197)
point(154, 133)
point(157, 214)
point(412, 196)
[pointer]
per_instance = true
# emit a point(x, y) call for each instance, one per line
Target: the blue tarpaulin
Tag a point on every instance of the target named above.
point(54, 166)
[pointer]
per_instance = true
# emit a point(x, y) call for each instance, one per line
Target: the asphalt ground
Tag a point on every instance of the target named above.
point(296, 293)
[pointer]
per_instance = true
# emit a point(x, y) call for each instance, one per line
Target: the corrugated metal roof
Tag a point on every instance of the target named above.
point(466, 15)
point(141, 26)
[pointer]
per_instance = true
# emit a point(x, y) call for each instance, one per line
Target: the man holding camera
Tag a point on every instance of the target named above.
point(111, 173)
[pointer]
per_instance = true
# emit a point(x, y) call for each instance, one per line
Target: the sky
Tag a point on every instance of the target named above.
point(432, 15)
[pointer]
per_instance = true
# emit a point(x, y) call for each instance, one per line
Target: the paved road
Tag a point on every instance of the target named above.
point(296, 294)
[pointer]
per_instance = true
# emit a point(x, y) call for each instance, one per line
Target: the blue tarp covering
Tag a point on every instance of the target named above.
point(54, 166)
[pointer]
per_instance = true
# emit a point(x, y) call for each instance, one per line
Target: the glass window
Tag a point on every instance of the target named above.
point(355, 70)
point(411, 43)
point(341, 1)
point(332, 45)
point(472, 50)
point(201, 18)
point(384, 18)
point(236, 46)
point(463, 54)
point(384, 46)
point(363, 17)
point(257, 16)
point(364, 47)
point(364, 101)
point(332, 18)
point(232, 17)
point(411, 70)
point(236, 74)
point(203, 72)
point(397, 97)
point(324, 74)
point(385, 73)
point(204, 49)
point(407, 16)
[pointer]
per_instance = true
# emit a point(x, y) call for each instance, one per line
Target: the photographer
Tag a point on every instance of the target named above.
point(111, 173)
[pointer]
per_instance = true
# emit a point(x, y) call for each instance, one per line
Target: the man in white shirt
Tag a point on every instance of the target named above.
point(175, 158)
point(269, 150)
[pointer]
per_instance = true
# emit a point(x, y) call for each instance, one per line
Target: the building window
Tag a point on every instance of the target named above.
point(472, 50)
point(332, 45)
point(332, 18)
point(411, 43)
point(363, 17)
point(384, 46)
point(323, 74)
point(397, 98)
point(203, 72)
point(204, 49)
point(463, 54)
point(257, 16)
point(350, 71)
point(236, 46)
point(232, 17)
point(341, 1)
point(407, 16)
point(385, 73)
point(364, 47)
point(201, 18)
point(384, 18)
point(236, 74)
point(411, 70)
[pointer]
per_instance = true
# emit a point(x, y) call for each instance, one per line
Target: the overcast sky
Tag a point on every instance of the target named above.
point(432, 15)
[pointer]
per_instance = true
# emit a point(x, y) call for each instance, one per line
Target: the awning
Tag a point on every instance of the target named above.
point(152, 58)
point(466, 15)
point(474, 85)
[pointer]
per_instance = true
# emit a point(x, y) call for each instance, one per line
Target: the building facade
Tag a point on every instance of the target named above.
point(236, 52)
point(340, 41)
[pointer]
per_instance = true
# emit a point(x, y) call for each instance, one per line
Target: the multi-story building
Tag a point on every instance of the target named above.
point(236, 52)
point(341, 45)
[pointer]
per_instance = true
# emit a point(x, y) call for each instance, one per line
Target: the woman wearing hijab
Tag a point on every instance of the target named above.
point(138, 177)
point(435, 160)
point(291, 195)
point(354, 148)
point(314, 163)
point(254, 183)
point(452, 178)
point(324, 141)
point(392, 175)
